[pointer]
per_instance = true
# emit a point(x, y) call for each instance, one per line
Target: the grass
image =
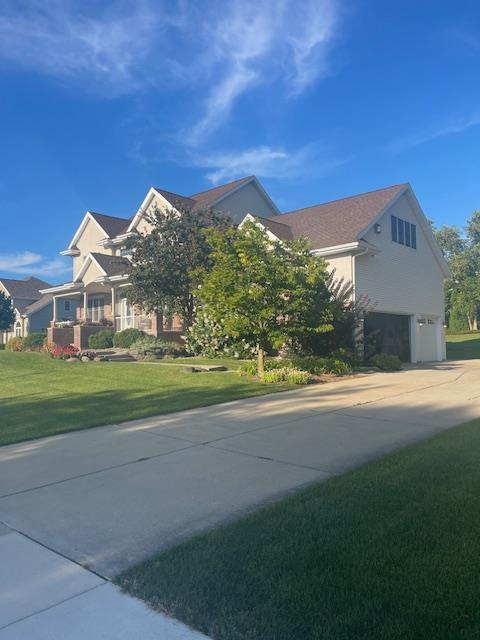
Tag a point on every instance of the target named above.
point(390, 551)
point(463, 346)
point(40, 396)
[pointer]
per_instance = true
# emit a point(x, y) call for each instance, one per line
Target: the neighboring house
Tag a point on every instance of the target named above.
point(379, 241)
point(33, 310)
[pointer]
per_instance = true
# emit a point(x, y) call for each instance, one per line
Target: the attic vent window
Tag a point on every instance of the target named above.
point(404, 232)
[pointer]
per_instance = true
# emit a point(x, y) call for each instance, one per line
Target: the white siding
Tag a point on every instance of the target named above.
point(342, 265)
point(400, 279)
point(247, 199)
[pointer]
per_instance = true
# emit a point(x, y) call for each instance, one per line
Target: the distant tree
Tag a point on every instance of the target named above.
point(165, 260)
point(264, 290)
point(7, 314)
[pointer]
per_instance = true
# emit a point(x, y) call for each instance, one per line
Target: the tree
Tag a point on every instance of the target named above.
point(165, 260)
point(264, 290)
point(7, 314)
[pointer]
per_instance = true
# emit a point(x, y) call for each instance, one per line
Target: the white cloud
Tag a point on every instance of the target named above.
point(259, 42)
point(63, 38)
point(457, 126)
point(27, 263)
point(265, 162)
point(218, 52)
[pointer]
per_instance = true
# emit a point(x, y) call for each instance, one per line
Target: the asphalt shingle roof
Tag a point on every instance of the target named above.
point(337, 222)
point(112, 265)
point(112, 225)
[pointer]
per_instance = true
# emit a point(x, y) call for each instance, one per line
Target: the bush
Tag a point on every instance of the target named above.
point(62, 353)
point(320, 366)
point(15, 344)
point(386, 362)
point(124, 339)
point(101, 340)
point(206, 337)
point(34, 341)
point(149, 345)
point(249, 368)
point(287, 374)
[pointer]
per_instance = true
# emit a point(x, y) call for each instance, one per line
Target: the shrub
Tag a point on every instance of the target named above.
point(15, 344)
point(249, 368)
point(2, 347)
point(101, 340)
point(287, 374)
point(207, 337)
point(386, 362)
point(62, 353)
point(149, 345)
point(124, 339)
point(321, 366)
point(34, 341)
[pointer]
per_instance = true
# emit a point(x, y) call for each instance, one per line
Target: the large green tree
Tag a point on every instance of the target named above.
point(462, 252)
point(7, 314)
point(165, 260)
point(264, 290)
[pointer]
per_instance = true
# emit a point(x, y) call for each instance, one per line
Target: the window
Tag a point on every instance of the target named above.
point(407, 234)
point(18, 329)
point(404, 232)
point(95, 309)
point(394, 229)
point(67, 305)
point(401, 231)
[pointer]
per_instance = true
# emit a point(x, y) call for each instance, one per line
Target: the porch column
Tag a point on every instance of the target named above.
point(85, 305)
point(113, 308)
point(54, 309)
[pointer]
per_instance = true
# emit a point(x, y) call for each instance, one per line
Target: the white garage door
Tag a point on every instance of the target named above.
point(427, 341)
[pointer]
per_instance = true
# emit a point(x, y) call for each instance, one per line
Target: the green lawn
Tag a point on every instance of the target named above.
point(390, 551)
point(463, 346)
point(40, 396)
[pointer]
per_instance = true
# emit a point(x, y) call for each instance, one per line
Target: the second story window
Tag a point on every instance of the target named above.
point(404, 232)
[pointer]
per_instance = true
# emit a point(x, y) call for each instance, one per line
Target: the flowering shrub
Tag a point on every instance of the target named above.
point(287, 374)
point(15, 344)
point(62, 353)
point(207, 337)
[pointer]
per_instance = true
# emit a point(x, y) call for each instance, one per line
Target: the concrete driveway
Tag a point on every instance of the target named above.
point(109, 497)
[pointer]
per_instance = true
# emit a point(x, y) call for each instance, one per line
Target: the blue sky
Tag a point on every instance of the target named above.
point(320, 99)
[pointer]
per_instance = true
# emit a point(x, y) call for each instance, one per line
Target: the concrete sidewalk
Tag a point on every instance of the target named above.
point(44, 596)
point(109, 497)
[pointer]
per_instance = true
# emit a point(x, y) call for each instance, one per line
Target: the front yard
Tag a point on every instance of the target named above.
point(390, 551)
point(463, 346)
point(40, 396)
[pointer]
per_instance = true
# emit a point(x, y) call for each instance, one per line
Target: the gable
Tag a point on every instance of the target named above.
point(246, 199)
point(90, 271)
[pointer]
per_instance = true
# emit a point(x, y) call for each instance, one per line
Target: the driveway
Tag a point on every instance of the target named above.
point(109, 497)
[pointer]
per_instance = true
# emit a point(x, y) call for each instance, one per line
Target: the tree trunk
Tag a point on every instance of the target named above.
point(261, 363)
point(470, 323)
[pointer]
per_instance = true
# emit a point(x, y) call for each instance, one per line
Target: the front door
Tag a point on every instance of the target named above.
point(126, 314)
point(95, 308)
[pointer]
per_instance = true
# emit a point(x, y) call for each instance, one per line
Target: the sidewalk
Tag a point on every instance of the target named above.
point(45, 596)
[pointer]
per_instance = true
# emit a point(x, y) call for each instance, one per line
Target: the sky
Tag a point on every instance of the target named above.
point(320, 99)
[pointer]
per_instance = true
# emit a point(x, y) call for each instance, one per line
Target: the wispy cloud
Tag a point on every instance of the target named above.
point(259, 42)
point(217, 52)
point(454, 127)
point(32, 264)
point(266, 162)
point(67, 39)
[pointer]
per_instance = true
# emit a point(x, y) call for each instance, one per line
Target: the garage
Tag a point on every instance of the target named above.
point(426, 340)
point(387, 333)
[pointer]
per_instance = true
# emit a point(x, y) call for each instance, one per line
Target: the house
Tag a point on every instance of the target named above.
point(100, 262)
point(380, 241)
point(383, 244)
point(33, 310)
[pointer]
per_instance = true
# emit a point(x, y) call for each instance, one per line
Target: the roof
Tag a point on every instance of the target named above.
point(112, 265)
point(112, 225)
point(282, 231)
point(38, 304)
point(207, 198)
point(337, 222)
point(176, 199)
point(26, 289)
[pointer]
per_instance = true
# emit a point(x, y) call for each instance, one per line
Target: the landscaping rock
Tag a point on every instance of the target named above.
point(72, 360)
point(85, 359)
point(192, 369)
point(100, 359)
point(218, 367)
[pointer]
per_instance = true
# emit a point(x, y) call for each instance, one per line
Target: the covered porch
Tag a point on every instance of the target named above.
point(96, 307)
